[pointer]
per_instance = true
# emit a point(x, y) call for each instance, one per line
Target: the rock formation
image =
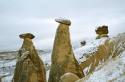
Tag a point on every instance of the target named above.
point(110, 48)
point(29, 66)
point(83, 43)
point(102, 54)
point(0, 79)
point(69, 77)
point(102, 31)
point(104, 51)
point(63, 60)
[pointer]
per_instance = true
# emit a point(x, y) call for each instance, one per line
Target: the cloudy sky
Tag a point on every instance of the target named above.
point(37, 17)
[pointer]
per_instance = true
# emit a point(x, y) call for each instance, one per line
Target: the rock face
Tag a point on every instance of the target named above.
point(69, 77)
point(102, 31)
point(63, 60)
point(113, 69)
point(102, 54)
point(63, 21)
point(110, 48)
point(0, 79)
point(29, 67)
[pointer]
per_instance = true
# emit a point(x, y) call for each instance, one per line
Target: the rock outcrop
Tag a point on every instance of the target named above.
point(63, 60)
point(102, 31)
point(83, 43)
point(29, 66)
point(69, 77)
point(109, 49)
point(0, 79)
point(102, 54)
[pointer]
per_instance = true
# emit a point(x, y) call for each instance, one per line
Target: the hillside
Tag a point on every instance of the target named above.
point(111, 71)
point(106, 63)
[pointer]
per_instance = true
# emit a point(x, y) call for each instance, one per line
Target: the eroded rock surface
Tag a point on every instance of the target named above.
point(69, 77)
point(63, 60)
point(108, 50)
point(29, 66)
point(102, 31)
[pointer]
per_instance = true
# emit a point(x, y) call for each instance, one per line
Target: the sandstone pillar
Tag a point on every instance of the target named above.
point(29, 67)
point(63, 60)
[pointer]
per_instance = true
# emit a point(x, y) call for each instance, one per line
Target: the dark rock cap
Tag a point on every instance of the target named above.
point(103, 26)
point(63, 21)
point(102, 30)
point(27, 35)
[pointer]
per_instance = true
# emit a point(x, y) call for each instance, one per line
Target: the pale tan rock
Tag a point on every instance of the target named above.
point(69, 77)
point(63, 60)
point(63, 21)
point(29, 66)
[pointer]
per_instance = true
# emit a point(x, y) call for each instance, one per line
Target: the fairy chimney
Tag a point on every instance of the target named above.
point(63, 59)
point(29, 66)
point(102, 31)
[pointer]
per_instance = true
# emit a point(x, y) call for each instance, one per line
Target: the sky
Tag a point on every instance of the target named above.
point(38, 17)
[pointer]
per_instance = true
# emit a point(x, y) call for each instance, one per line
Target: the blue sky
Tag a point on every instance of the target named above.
point(37, 17)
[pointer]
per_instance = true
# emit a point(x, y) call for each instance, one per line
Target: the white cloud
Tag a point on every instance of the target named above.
point(37, 17)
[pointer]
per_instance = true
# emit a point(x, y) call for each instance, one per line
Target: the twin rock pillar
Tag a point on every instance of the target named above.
point(29, 67)
point(63, 60)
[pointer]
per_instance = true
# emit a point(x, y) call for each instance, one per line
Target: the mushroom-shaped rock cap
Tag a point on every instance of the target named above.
point(102, 29)
point(63, 21)
point(27, 35)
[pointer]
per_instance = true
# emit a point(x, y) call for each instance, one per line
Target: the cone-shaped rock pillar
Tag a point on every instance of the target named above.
point(29, 67)
point(63, 60)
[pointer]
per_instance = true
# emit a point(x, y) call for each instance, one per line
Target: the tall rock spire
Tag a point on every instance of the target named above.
point(29, 67)
point(63, 60)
